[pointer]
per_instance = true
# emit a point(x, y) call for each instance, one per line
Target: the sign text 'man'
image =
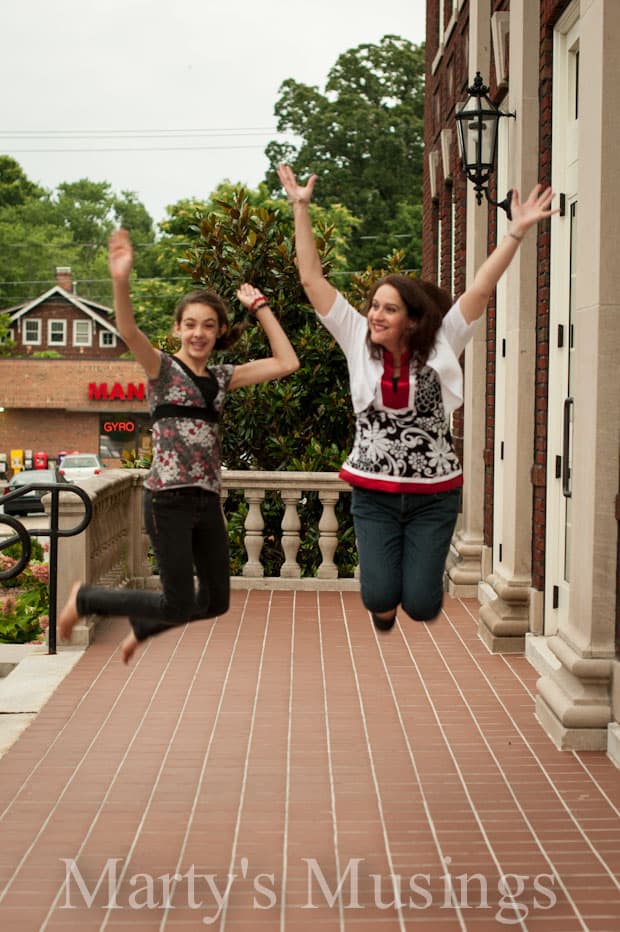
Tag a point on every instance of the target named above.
point(116, 392)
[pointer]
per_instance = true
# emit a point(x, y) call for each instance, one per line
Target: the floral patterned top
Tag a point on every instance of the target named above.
point(402, 434)
point(408, 450)
point(186, 450)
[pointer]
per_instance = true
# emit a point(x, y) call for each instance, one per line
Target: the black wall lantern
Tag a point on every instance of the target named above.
point(477, 123)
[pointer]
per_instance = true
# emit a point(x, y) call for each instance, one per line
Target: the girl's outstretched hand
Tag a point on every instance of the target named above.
point(248, 294)
point(296, 193)
point(120, 254)
point(536, 208)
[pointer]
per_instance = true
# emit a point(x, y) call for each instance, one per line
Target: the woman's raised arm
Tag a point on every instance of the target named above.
point(524, 215)
point(321, 293)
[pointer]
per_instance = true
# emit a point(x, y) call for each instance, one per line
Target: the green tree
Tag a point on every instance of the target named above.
point(156, 291)
point(364, 139)
point(90, 210)
point(31, 245)
point(40, 230)
point(237, 242)
point(304, 422)
point(297, 423)
point(155, 298)
point(15, 187)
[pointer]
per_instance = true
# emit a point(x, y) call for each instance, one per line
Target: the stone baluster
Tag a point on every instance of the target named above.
point(328, 535)
point(253, 540)
point(290, 535)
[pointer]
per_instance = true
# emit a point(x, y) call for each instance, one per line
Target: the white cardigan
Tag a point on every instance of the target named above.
point(350, 328)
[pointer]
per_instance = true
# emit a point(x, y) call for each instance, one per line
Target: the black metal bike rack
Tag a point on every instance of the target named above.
point(23, 535)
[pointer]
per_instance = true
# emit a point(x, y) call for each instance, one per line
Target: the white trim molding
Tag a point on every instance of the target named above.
point(433, 165)
point(445, 140)
point(500, 27)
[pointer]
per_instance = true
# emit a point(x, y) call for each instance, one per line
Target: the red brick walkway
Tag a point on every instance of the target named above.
point(285, 747)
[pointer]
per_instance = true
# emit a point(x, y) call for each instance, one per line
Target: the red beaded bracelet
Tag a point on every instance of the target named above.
point(260, 297)
point(259, 307)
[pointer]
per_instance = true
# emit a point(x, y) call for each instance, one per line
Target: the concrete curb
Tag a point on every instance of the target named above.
point(29, 684)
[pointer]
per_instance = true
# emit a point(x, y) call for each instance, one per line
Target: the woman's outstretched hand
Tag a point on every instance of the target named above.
point(295, 193)
point(536, 208)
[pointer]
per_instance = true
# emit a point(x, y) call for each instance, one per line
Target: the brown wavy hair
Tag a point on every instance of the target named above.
point(425, 302)
point(218, 304)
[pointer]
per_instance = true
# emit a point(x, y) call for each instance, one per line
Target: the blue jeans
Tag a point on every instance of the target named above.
point(403, 541)
point(188, 532)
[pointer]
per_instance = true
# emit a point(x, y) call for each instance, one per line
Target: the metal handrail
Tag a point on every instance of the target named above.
point(23, 536)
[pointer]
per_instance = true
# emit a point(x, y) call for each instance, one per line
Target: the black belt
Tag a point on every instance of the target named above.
point(185, 411)
point(181, 491)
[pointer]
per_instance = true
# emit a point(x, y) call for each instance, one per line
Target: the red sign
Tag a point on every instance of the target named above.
point(116, 392)
point(119, 427)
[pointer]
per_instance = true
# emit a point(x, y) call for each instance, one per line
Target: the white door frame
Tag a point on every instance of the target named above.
point(565, 162)
point(501, 344)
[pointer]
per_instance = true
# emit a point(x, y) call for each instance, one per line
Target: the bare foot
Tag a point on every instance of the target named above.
point(69, 617)
point(128, 647)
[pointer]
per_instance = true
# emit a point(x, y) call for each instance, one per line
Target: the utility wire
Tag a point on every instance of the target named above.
point(114, 135)
point(101, 245)
point(159, 243)
point(220, 131)
point(12, 151)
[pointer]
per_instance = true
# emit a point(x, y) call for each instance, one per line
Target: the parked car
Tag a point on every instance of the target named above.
point(30, 503)
point(61, 455)
point(80, 466)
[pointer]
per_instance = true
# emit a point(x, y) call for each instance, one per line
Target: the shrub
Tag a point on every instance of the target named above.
point(25, 606)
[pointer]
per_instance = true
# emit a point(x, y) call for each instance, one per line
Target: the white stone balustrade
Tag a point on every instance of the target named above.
point(291, 486)
point(113, 550)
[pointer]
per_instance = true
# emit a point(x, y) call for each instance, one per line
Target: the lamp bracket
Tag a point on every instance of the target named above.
point(505, 204)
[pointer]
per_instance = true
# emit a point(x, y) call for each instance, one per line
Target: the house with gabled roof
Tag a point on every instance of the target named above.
point(62, 321)
point(69, 382)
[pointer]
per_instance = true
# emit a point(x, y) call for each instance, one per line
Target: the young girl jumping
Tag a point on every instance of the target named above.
point(182, 510)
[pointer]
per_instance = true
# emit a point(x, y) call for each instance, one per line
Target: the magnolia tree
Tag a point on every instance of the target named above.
point(303, 422)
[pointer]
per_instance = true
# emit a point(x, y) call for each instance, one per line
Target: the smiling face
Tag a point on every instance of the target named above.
point(389, 323)
point(198, 330)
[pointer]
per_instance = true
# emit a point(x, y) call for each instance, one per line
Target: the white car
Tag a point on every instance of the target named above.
point(80, 466)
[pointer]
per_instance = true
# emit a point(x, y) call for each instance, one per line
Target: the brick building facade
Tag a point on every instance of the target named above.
point(537, 542)
point(84, 397)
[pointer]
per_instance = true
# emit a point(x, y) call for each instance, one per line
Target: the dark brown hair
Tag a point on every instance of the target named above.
point(211, 299)
point(425, 302)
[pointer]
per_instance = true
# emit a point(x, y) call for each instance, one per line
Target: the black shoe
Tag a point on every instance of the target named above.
point(383, 624)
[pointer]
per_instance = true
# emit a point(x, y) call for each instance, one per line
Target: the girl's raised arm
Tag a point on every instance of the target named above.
point(120, 260)
point(283, 360)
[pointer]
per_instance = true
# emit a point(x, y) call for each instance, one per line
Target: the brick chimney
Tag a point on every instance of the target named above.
point(63, 277)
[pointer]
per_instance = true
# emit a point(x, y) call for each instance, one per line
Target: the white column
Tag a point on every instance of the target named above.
point(291, 525)
point(574, 703)
point(504, 620)
point(253, 540)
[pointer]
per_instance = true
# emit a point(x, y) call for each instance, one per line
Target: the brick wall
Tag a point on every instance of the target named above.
point(49, 432)
point(47, 406)
point(444, 89)
point(63, 384)
point(446, 86)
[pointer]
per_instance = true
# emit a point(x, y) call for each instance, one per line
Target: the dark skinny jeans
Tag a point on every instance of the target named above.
point(188, 532)
point(403, 541)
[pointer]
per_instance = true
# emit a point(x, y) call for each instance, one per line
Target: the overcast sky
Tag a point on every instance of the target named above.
point(200, 76)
